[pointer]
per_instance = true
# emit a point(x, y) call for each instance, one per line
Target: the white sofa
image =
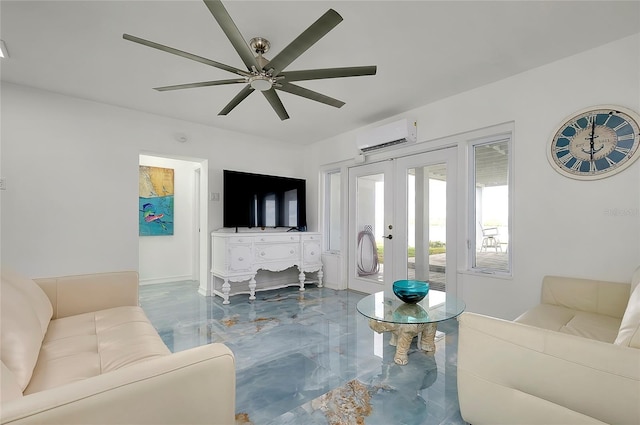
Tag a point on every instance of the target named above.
point(573, 359)
point(79, 350)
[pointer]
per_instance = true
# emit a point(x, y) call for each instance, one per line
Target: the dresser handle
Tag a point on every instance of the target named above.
point(313, 253)
point(262, 253)
point(291, 252)
point(240, 259)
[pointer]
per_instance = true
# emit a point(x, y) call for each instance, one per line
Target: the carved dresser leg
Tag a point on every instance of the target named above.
point(226, 288)
point(252, 288)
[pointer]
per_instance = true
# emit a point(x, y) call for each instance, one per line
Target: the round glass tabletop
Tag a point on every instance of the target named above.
point(386, 307)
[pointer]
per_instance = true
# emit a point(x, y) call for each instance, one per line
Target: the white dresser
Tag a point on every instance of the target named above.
point(237, 257)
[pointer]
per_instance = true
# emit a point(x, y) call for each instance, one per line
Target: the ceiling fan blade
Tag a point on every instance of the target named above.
point(237, 99)
point(184, 54)
point(310, 94)
point(202, 84)
point(232, 32)
point(308, 38)
point(276, 103)
point(317, 74)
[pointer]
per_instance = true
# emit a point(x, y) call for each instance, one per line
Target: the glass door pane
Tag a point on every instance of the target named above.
point(426, 203)
point(427, 224)
point(369, 222)
point(370, 227)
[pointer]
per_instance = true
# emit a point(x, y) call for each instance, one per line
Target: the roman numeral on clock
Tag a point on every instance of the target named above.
point(629, 136)
point(619, 126)
point(624, 151)
point(577, 165)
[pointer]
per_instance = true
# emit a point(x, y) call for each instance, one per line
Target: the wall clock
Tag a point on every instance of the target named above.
point(596, 142)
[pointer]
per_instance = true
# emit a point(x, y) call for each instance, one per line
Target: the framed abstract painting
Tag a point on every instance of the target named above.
point(155, 207)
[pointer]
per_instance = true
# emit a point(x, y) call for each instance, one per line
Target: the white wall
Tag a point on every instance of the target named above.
point(171, 258)
point(561, 226)
point(71, 168)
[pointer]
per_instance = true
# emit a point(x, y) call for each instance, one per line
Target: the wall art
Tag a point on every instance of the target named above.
point(155, 208)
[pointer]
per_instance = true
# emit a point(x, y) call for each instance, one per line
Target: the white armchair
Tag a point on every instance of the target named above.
point(573, 359)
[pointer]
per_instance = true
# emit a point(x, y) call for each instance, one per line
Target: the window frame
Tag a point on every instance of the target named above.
point(472, 225)
point(327, 207)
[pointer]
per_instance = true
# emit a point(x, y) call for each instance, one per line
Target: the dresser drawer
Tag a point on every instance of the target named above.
point(271, 238)
point(311, 252)
point(240, 239)
point(277, 252)
point(311, 238)
point(240, 258)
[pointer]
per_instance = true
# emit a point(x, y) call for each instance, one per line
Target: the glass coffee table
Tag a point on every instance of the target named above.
point(387, 313)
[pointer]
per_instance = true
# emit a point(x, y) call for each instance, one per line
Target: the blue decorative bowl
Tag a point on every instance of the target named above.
point(410, 291)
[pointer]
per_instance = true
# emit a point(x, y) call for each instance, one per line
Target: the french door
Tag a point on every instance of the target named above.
point(402, 222)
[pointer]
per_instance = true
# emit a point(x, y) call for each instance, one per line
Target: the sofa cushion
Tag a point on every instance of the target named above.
point(595, 296)
point(90, 344)
point(593, 326)
point(580, 323)
point(21, 334)
point(635, 280)
point(629, 333)
point(37, 299)
point(547, 316)
point(10, 389)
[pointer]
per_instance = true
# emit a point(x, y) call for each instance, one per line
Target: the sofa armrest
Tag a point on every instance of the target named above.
point(595, 296)
point(71, 295)
point(195, 386)
point(513, 373)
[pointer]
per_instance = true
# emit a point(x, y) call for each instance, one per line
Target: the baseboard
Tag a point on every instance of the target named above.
point(166, 280)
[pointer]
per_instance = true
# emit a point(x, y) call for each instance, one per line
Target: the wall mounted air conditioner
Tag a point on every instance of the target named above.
point(398, 132)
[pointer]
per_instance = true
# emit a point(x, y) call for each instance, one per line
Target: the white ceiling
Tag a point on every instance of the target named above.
point(424, 50)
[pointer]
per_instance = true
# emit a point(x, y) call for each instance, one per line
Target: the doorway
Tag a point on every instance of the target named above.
point(402, 215)
point(181, 256)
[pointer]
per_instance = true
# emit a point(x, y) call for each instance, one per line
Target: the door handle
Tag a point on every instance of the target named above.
point(388, 237)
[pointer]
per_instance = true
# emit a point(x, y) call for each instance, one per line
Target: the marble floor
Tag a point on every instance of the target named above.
point(310, 358)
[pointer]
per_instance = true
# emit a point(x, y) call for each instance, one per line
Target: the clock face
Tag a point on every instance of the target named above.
point(596, 143)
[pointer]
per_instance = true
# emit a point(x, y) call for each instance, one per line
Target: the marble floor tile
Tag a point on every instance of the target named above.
point(310, 358)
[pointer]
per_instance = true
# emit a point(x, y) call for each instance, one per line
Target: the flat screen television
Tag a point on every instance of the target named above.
point(258, 200)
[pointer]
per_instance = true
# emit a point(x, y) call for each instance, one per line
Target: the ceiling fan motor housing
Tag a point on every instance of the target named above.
point(260, 45)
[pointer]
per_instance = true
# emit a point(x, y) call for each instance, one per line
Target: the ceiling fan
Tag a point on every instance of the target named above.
point(262, 74)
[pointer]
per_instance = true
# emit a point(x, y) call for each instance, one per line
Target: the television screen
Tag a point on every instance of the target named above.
point(258, 200)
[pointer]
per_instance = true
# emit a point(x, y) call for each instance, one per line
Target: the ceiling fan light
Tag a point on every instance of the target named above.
point(260, 83)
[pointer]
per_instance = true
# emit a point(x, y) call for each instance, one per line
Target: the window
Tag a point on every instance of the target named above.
point(270, 210)
point(291, 207)
point(332, 196)
point(490, 205)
